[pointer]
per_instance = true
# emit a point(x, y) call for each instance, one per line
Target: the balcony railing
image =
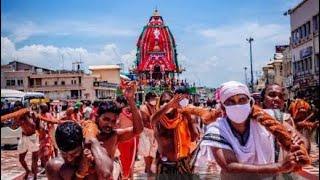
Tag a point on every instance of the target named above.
point(56, 87)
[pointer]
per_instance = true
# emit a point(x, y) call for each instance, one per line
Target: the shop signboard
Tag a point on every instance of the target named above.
point(306, 52)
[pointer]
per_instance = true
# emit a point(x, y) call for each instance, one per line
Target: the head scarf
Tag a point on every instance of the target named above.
point(232, 88)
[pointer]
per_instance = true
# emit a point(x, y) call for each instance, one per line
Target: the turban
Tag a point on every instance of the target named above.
point(232, 88)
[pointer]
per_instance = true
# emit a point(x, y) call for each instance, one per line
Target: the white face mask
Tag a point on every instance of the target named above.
point(238, 113)
point(184, 102)
point(153, 102)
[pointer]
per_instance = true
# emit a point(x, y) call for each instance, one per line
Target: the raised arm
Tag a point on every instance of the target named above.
point(103, 163)
point(174, 103)
point(207, 115)
point(15, 115)
point(94, 155)
point(137, 123)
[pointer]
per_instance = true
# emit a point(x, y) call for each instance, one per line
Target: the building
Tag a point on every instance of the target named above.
point(304, 44)
point(15, 75)
point(287, 72)
point(107, 79)
point(272, 72)
point(61, 84)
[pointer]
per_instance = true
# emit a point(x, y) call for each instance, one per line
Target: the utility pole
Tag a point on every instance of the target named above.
point(250, 40)
point(245, 75)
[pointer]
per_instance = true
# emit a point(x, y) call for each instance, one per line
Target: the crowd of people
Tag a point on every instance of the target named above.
point(239, 136)
point(165, 83)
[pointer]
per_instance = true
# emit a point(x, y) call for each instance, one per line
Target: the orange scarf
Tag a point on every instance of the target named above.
point(182, 136)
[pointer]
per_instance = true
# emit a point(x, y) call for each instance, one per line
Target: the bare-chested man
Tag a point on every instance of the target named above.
point(173, 135)
point(147, 144)
point(81, 158)
point(108, 120)
point(29, 141)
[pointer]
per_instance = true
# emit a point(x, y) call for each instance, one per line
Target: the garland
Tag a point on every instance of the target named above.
point(207, 115)
point(90, 129)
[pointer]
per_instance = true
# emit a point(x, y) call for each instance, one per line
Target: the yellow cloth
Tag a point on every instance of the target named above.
point(182, 136)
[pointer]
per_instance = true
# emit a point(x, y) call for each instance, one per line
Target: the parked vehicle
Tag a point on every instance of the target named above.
point(10, 135)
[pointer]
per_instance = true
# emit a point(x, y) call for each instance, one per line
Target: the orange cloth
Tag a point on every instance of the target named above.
point(182, 137)
point(296, 105)
point(46, 144)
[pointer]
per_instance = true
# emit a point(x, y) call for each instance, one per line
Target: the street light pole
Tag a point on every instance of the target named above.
point(245, 75)
point(250, 40)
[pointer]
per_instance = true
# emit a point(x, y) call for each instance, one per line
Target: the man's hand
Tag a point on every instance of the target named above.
point(174, 102)
point(86, 161)
point(296, 139)
point(129, 89)
point(301, 154)
point(289, 164)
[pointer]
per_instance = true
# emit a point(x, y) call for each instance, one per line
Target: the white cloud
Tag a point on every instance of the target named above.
point(128, 59)
point(59, 57)
point(8, 48)
point(222, 52)
point(21, 30)
point(233, 35)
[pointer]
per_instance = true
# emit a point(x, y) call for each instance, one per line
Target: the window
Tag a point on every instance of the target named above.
point(299, 33)
point(20, 82)
point(46, 83)
point(63, 83)
point(38, 82)
point(310, 63)
point(317, 62)
point(56, 83)
point(299, 66)
point(315, 23)
point(12, 82)
point(303, 31)
point(306, 65)
point(8, 83)
point(308, 28)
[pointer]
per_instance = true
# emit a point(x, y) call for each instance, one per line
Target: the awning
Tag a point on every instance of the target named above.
point(124, 77)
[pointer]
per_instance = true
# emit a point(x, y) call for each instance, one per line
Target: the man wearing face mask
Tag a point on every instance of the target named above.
point(173, 135)
point(147, 143)
point(238, 143)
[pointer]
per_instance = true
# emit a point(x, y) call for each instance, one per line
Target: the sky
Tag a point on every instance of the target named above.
point(210, 34)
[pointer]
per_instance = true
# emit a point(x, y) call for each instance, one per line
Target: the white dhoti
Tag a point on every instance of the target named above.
point(28, 143)
point(116, 172)
point(147, 144)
